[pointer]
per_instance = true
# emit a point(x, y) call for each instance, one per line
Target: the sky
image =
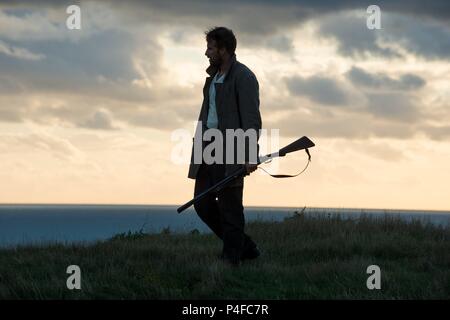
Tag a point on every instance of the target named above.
point(93, 116)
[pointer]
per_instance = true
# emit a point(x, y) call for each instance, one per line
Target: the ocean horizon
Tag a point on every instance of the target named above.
point(40, 224)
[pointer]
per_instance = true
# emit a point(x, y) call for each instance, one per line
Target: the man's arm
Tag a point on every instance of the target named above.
point(248, 101)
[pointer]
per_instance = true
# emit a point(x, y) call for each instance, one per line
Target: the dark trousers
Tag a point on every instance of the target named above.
point(223, 212)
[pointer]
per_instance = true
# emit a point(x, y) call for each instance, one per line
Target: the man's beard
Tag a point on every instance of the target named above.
point(216, 62)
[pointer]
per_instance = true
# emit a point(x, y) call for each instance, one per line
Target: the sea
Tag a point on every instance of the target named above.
point(42, 224)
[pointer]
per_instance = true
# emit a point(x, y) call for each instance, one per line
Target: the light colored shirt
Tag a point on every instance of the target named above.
point(213, 121)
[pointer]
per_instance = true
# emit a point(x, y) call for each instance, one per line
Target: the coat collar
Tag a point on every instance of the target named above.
point(213, 70)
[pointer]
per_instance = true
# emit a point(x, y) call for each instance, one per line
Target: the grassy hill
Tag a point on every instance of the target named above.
point(302, 258)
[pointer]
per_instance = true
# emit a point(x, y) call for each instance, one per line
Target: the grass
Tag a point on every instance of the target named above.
point(303, 258)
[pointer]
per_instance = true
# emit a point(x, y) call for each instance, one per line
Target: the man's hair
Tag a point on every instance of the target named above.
point(224, 38)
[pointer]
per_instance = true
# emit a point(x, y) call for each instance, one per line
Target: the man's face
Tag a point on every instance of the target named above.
point(214, 54)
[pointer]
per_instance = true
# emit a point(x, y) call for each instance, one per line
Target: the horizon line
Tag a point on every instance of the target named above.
point(247, 206)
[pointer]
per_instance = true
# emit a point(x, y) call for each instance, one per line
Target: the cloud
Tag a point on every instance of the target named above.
point(19, 53)
point(41, 141)
point(341, 125)
point(437, 132)
point(31, 26)
point(382, 151)
point(75, 78)
point(386, 115)
point(9, 115)
point(326, 91)
point(9, 86)
point(353, 37)
point(102, 119)
point(119, 69)
point(165, 119)
point(88, 67)
point(360, 77)
point(393, 106)
point(120, 66)
point(282, 44)
point(266, 15)
point(400, 34)
point(167, 112)
point(426, 38)
point(34, 22)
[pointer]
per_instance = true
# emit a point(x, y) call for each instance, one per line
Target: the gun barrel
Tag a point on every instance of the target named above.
point(217, 187)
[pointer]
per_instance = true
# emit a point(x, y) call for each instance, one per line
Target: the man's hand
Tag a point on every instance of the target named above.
point(250, 167)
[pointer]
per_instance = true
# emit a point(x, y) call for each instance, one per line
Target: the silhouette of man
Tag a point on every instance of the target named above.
point(230, 101)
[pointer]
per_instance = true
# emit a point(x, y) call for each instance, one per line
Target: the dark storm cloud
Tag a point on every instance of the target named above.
point(98, 70)
point(319, 89)
point(389, 109)
point(420, 27)
point(384, 104)
point(73, 67)
point(101, 65)
point(360, 77)
point(254, 16)
point(425, 38)
point(354, 39)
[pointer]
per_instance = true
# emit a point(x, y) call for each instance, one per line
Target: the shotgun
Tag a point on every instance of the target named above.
point(300, 144)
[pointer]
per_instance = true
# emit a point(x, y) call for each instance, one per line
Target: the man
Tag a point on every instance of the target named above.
point(230, 101)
